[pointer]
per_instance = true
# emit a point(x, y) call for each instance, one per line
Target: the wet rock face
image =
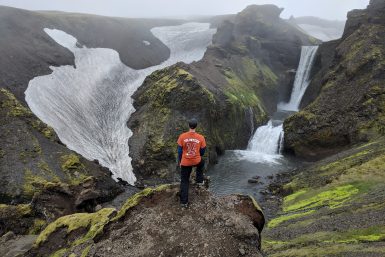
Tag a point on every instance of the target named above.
point(350, 106)
point(151, 223)
point(234, 86)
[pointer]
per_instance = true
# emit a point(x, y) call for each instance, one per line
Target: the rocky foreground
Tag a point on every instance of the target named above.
point(151, 223)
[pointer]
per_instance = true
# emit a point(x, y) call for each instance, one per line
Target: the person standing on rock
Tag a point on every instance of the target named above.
point(191, 148)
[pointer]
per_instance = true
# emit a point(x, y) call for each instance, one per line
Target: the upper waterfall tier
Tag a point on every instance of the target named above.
point(268, 139)
point(301, 79)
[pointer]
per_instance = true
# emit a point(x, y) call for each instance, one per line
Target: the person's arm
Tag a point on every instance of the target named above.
point(202, 151)
point(203, 147)
point(180, 152)
point(180, 149)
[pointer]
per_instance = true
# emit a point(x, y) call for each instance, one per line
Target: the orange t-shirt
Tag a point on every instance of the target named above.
point(191, 143)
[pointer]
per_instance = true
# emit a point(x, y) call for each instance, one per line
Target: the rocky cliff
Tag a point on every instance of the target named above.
point(151, 223)
point(230, 91)
point(350, 105)
point(40, 179)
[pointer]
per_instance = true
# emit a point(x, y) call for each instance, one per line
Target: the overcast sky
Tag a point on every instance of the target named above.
point(329, 9)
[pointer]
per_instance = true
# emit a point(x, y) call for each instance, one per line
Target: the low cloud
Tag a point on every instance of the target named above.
point(329, 9)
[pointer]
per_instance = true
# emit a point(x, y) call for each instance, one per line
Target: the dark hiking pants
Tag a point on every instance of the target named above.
point(185, 173)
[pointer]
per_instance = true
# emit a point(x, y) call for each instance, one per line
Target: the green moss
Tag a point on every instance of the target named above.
point(2, 153)
point(332, 197)
point(238, 92)
point(46, 130)
point(71, 162)
point(209, 95)
point(86, 251)
point(184, 74)
point(15, 211)
point(59, 253)
point(137, 198)
point(94, 222)
point(306, 115)
point(14, 107)
point(326, 250)
point(37, 227)
point(275, 222)
point(293, 196)
point(33, 183)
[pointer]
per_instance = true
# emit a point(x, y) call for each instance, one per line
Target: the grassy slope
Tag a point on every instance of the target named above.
point(336, 207)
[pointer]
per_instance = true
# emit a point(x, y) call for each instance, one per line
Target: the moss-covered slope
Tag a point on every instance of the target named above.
point(35, 166)
point(351, 105)
point(230, 91)
point(333, 208)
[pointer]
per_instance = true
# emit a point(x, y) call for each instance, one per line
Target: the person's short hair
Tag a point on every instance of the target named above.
point(193, 123)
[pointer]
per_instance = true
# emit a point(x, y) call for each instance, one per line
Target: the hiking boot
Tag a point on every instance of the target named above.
point(184, 205)
point(200, 185)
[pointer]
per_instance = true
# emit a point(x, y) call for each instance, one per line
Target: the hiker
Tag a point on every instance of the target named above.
point(191, 148)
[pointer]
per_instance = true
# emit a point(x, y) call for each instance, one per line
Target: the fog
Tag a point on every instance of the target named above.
point(328, 9)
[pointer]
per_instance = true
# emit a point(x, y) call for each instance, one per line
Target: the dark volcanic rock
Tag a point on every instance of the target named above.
point(35, 166)
point(230, 91)
point(351, 104)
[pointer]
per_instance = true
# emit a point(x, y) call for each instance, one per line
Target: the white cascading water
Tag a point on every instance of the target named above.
point(301, 79)
point(268, 139)
point(89, 105)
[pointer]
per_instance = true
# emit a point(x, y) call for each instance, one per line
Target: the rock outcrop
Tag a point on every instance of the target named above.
point(350, 106)
point(40, 179)
point(230, 91)
point(151, 223)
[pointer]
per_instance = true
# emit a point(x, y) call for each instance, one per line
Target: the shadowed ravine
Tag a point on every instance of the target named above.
point(263, 158)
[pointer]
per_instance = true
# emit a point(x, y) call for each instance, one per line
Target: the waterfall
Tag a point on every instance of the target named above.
point(89, 104)
point(269, 139)
point(266, 139)
point(301, 79)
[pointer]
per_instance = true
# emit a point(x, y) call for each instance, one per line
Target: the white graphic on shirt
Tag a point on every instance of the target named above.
point(191, 150)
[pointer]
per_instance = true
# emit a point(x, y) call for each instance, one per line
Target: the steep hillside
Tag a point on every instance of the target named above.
point(335, 207)
point(350, 105)
point(235, 86)
point(40, 179)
